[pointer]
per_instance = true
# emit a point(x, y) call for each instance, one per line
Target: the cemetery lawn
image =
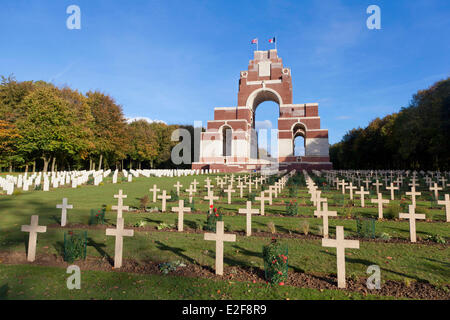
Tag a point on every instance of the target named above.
point(25, 282)
point(399, 260)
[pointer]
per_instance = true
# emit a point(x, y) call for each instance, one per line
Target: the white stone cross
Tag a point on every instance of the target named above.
point(164, 197)
point(340, 244)
point(367, 181)
point(362, 193)
point(33, 229)
point(250, 183)
point(380, 202)
point(248, 212)
point(191, 191)
point(412, 216)
point(181, 210)
point(377, 185)
point(219, 237)
point(392, 188)
point(351, 188)
point(178, 185)
point(343, 184)
point(274, 191)
point(325, 214)
point(64, 206)
point(262, 199)
point(119, 233)
point(229, 191)
point(413, 195)
point(208, 185)
point(318, 199)
point(443, 180)
point(220, 183)
point(446, 203)
point(241, 188)
point(120, 207)
point(210, 197)
point(155, 191)
point(195, 183)
point(435, 189)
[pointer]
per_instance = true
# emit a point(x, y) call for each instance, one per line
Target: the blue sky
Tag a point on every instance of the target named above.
point(177, 60)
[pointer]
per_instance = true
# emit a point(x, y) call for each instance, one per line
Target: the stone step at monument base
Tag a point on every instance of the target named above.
point(244, 167)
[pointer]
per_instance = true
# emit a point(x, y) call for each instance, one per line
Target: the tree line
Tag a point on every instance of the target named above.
point(417, 137)
point(44, 127)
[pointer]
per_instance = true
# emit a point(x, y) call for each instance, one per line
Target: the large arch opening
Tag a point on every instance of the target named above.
point(265, 105)
point(299, 142)
point(265, 123)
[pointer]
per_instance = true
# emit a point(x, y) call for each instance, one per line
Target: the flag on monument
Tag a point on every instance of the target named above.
point(272, 40)
point(255, 41)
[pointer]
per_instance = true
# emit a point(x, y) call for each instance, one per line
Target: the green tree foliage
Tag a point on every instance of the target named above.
point(109, 127)
point(417, 137)
point(49, 127)
point(43, 124)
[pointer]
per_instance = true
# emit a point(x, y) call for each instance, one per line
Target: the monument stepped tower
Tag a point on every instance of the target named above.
point(229, 143)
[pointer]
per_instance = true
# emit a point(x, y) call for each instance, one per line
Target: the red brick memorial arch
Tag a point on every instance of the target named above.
point(229, 143)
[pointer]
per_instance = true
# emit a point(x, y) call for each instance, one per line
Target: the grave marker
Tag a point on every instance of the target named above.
point(33, 229)
point(219, 237)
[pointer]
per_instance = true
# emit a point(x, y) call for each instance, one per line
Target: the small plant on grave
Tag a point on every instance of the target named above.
point(190, 205)
point(348, 212)
point(304, 226)
point(167, 267)
point(75, 244)
point(222, 193)
point(403, 205)
point(365, 228)
point(90, 181)
point(227, 227)
point(97, 216)
point(435, 238)
point(292, 191)
point(173, 196)
point(163, 226)
point(275, 256)
point(385, 236)
point(291, 208)
point(212, 217)
point(425, 211)
point(143, 202)
point(38, 187)
point(320, 230)
point(338, 199)
point(140, 224)
point(407, 282)
point(271, 227)
point(392, 211)
point(251, 197)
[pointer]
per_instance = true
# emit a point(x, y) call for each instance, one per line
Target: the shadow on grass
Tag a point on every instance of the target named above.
point(177, 251)
point(99, 247)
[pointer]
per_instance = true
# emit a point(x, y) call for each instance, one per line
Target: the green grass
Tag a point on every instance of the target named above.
point(25, 282)
point(409, 261)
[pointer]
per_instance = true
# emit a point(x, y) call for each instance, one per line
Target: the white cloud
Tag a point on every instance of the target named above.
point(266, 124)
point(129, 120)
